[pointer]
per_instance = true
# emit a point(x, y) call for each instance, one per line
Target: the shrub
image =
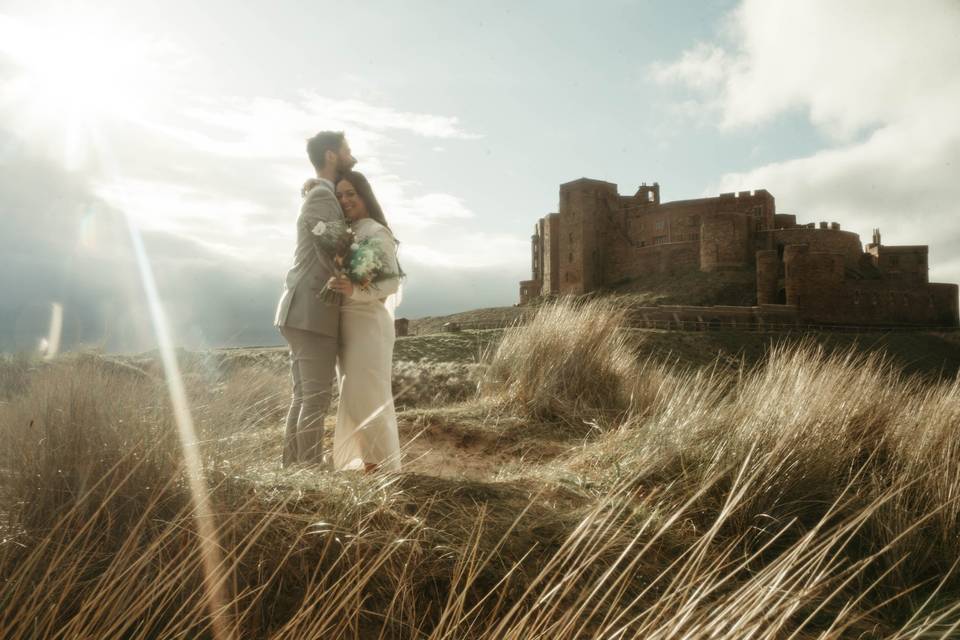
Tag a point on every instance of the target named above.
point(572, 363)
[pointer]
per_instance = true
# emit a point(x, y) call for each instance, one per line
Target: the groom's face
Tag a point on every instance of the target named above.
point(345, 159)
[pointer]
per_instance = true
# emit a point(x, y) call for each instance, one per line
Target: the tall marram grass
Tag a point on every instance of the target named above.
point(572, 364)
point(814, 496)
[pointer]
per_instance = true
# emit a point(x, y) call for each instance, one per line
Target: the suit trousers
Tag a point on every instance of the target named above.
point(313, 359)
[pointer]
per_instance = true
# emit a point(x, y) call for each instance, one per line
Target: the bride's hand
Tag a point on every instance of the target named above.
point(341, 284)
point(309, 184)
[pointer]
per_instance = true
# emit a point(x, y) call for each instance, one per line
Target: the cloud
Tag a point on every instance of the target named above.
point(384, 119)
point(879, 79)
point(62, 244)
point(237, 160)
point(213, 181)
point(703, 67)
point(458, 250)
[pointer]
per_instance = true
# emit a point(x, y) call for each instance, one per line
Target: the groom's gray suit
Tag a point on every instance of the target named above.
point(311, 327)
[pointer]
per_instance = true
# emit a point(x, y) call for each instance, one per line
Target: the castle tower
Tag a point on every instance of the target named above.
point(648, 194)
point(585, 206)
point(550, 238)
point(814, 282)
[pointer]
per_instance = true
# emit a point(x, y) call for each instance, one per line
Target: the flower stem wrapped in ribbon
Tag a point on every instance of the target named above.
point(335, 238)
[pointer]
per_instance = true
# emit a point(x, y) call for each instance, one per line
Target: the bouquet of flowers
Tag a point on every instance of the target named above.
point(363, 262)
point(367, 264)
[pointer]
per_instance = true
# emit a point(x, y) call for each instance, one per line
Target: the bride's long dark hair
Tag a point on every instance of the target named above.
point(374, 210)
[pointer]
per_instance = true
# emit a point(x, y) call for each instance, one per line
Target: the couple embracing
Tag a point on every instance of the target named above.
point(336, 316)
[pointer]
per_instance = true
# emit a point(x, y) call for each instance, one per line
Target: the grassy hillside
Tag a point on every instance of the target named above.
point(492, 316)
point(692, 288)
point(581, 492)
point(929, 354)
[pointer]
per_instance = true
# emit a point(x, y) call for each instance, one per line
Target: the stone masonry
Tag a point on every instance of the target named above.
point(815, 273)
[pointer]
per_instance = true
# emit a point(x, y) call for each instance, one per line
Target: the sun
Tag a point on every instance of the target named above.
point(69, 76)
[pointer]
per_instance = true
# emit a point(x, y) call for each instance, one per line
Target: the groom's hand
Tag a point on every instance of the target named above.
point(341, 284)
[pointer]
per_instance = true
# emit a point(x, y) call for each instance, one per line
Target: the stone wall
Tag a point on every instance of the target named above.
point(945, 299)
point(784, 221)
point(647, 222)
point(727, 241)
point(832, 240)
point(907, 263)
point(768, 276)
point(813, 280)
point(693, 318)
point(816, 285)
point(627, 262)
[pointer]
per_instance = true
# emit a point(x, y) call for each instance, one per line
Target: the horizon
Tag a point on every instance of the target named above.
point(466, 119)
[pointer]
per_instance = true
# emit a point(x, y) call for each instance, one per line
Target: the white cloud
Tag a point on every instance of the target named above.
point(702, 67)
point(879, 78)
point(456, 250)
point(225, 172)
point(384, 119)
point(851, 65)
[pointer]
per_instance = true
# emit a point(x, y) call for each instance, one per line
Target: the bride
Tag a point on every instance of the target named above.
point(366, 431)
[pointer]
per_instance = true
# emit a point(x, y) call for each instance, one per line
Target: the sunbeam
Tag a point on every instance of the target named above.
point(72, 76)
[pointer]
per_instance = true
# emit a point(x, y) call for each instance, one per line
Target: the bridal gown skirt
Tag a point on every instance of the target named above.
point(366, 428)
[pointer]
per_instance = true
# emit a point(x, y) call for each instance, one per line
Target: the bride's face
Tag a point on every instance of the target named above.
point(351, 202)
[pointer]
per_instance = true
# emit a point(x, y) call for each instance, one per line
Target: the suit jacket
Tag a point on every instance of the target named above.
point(300, 306)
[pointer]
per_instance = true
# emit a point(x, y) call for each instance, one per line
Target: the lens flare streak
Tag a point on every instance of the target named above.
point(214, 577)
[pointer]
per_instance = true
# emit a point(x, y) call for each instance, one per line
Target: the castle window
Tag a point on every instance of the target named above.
point(894, 261)
point(571, 237)
point(660, 225)
point(570, 257)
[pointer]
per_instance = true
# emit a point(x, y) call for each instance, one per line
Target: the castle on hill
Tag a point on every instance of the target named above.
point(813, 273)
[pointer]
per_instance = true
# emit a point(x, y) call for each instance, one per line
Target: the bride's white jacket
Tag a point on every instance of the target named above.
point(366, 229)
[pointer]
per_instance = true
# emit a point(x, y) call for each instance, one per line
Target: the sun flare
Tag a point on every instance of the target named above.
point(70, 77)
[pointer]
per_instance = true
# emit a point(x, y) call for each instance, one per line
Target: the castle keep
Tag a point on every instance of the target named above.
point(815, 273)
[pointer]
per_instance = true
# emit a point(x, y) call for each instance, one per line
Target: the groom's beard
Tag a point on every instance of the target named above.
point(343, 168)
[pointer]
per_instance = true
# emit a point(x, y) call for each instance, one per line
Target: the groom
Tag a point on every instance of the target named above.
point(309, 325)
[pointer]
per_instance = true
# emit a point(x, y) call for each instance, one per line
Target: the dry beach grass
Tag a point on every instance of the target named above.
point(586, 490)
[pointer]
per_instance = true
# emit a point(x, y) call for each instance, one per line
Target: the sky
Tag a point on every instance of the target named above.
point(184, 124)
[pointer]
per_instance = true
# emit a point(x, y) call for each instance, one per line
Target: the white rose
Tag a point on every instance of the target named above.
point(354, 246)
point(320, 229)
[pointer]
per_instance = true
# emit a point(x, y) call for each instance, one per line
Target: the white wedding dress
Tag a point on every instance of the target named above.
point(366, 428)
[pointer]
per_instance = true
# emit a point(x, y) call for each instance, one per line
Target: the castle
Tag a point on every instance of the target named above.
point(806, 273)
